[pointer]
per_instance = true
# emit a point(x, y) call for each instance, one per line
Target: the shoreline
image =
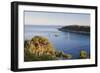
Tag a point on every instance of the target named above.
point(81, 32)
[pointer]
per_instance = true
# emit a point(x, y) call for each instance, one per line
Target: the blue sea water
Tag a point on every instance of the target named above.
point(68, 42)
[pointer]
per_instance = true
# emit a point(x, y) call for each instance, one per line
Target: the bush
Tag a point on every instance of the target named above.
point(83, 54)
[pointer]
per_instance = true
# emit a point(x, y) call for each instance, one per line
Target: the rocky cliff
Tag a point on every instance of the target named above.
point(40, 48)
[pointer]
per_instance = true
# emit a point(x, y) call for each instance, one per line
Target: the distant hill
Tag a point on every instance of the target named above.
point(76, 28)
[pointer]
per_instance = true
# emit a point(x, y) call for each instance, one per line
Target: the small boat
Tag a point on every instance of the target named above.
point(56, 35)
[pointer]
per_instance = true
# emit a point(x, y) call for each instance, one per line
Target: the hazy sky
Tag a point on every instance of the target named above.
point(54, 18)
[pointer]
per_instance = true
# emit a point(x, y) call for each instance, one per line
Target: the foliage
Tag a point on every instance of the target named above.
point(67, 56)
point(40, 49)
point(83, 54)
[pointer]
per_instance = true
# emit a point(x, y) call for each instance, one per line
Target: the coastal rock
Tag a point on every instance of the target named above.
point(40, 49)
point(83, 54)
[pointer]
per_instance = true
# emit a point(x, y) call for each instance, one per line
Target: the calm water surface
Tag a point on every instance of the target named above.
point(68, 42)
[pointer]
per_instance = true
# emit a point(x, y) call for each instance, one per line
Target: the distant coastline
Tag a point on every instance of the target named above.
point(76, 28)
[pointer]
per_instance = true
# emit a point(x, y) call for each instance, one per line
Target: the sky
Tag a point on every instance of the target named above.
point(56, 18)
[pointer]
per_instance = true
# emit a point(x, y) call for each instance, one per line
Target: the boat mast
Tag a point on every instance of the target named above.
point(68, 35)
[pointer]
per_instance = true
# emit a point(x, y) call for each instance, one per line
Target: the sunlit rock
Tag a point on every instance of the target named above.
point(83, 54)
point(40, 48)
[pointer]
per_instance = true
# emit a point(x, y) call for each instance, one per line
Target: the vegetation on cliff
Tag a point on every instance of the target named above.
point(83, 54)
point(40, 49)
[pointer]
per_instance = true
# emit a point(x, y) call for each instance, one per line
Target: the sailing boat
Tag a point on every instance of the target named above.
point(68, 36)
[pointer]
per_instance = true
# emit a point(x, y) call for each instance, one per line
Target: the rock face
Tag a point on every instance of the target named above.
point(39, 46)
point(40, 49)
